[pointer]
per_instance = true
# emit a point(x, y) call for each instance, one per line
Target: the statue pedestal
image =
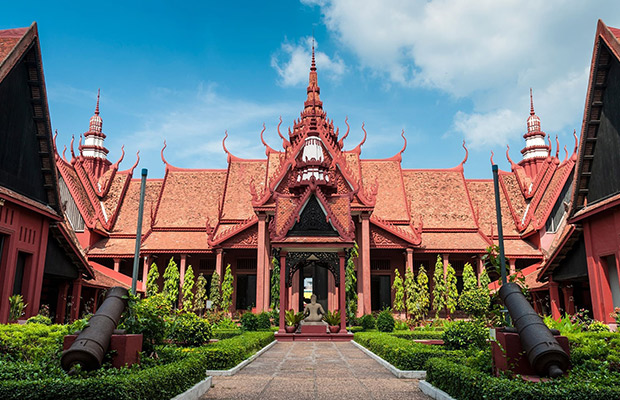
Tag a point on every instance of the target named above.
point(312, 328)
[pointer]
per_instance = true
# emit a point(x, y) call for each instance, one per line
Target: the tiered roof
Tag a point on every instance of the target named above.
point(433, 210)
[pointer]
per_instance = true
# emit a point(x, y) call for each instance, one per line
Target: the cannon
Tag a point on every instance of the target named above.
point(544, 353)
point(93, 342)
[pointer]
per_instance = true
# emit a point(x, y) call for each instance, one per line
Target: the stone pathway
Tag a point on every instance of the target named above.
point(314, 370)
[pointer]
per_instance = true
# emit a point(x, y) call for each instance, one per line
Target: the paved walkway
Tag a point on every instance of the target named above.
point(314, 370)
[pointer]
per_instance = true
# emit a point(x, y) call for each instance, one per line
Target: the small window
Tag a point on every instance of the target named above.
point(246, 264)
point(380, 265)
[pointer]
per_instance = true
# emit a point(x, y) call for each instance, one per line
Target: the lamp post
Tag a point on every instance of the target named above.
point(500, 234)
point(136, 256)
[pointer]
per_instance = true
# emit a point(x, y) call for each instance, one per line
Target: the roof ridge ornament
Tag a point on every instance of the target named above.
point(341, 141)
point(285, 143)
point(358, 148)
point(466, 155)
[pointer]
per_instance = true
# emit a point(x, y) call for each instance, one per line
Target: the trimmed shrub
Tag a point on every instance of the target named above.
point(221, 334)
point(464, 382)
point(230, 352)
point(249, 322)
point(190, 329)
point(39, 319)
point(264, 320)
point(465, 334)
point(367, 321)
point(385, 321)
point(595, 326)
point(401, 353)
point(418, 335)
point(148, 317)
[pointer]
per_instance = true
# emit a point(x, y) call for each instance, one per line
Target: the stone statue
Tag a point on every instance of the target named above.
point(313, 311)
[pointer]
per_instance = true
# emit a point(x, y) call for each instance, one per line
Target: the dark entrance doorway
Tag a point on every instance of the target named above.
point(380, 295)
point(313, 280)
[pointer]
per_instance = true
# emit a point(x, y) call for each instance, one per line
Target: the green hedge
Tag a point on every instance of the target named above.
point(401, 353)
point(222, 334)
point(157, 382)
point(465, 383)
point(230, 352)
point(418, 335)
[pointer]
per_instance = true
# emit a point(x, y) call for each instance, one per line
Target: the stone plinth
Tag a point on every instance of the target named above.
point(126, 348)
point(508, 354)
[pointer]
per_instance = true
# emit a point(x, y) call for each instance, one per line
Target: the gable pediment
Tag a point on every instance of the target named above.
point(312, 221)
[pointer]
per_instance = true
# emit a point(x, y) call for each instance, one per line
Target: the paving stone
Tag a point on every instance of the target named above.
point(317, 371)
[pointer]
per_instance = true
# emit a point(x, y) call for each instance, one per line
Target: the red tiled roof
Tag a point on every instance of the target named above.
point(440, 197)
point(77, 190)
point(515, 196)
point(553, 190)
point(353, 162)
point(127, 220)
point(113, 197)
point(237, 199)
point(107, 278)
point(453, 241)
point(597, 207)
point(176, 242)
point(189, 197)
point(483, 198)
point(109, 247)
point(8, 40)
point(273, 165)
point(391, 202)
point(518, 247)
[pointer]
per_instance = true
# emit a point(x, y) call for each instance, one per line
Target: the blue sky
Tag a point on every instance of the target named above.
point(442, 70)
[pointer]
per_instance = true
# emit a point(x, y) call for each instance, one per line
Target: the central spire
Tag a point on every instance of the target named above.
point(313, 102)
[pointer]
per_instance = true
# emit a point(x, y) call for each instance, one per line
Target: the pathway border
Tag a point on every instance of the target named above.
point(242, 364)
point(433, 392)
point(399, 373)
point(196, 391)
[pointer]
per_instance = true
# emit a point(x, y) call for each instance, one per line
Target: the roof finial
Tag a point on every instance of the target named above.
point(97, 108)
point(531, 103)
point(313, 66)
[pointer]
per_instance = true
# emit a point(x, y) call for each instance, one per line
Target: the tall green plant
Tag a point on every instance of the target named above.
point(152, 288)
point(215, 294)
point(16, 307)
point(200, 300)
point(275, 284)
point(469, 278)
point(399, 292)
point(227, 289)
point(452, 293)
point(439, 289)
point(171, 283)
point(410, 292)
point(423, 300)
point(351, 284)
point(187, 289)
point(485, 281)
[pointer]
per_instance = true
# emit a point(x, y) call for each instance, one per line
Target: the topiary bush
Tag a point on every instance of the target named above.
point(39, 319)
point(264, 320)
point(385, 321)
point(465, 334)
point(148, 317)
point(249, 322)
point(367, 321)
point(190, 329)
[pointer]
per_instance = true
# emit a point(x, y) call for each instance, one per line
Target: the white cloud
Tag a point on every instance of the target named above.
point(193, 125)
point(292, 63)
point(488, 51)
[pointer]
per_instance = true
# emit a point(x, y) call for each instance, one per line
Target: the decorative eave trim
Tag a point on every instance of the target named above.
point(215, 240)
point(415, 239)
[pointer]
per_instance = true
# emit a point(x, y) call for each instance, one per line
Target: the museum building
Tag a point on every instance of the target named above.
point(304, 204)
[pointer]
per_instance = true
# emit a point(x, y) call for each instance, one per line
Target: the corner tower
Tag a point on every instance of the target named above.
point(93, 150)
point(536, 150)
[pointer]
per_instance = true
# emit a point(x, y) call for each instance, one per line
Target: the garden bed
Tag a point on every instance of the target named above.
point(31, 370)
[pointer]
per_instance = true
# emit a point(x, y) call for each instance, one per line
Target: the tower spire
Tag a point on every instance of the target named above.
point(97, 107)
point(313, 103)
point(531, 103)
point(535, 150)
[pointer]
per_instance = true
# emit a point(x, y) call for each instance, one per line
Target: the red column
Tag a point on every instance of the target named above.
point(145, 270)
point(261, 266)
point(554, 296)
point(61, 302)
point(365, 264)
point(117, 264)
point(446, 261)
point(480, 268)
point(33, 292)
point(409, 259)
point(342, 295)
point(594, 278)
point(295, 291)
point(512, 263)
point(569, 301)
point(76, 294)
point(332, 300)
point(283, 291)
point(219, 261)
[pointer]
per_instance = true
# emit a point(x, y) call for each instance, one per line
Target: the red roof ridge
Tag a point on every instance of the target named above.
point(414, 238)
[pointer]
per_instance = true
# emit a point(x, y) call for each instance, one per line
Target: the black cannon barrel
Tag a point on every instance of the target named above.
point(92, 343)
point(544, 353)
